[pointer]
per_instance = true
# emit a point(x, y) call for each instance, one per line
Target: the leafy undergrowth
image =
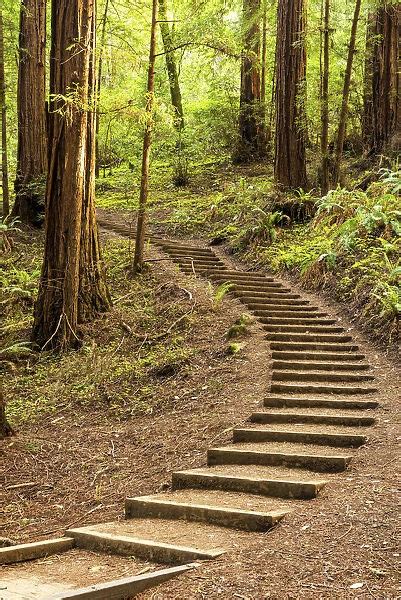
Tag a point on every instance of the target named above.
point(352, 249)
point(132, 359)
point(347, 243)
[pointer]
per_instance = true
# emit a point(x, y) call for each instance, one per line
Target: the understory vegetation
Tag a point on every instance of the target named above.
point(132, 361)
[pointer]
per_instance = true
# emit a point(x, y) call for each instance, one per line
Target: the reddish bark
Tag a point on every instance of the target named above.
point(32, 136)
point(290, 161)
point(386, 102)
point(72, 288)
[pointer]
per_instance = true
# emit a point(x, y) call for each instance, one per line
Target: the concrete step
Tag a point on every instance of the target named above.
point(283, 375)
point(293, 402)
point(314, 346)
point(292, 355)
point(277, 306)
point(260, 455)
point(265, 291)
point(249, 274)
point(35, 550)
point(318, 418)
point(283, 313)
point(245, 281)
point(208, 262)
point(308, 337)
point(201, 268)
point(282, 301)
point(177, 247)
point(193, 253)
point(305, 321)
point(293, 328)
point(147, 539)
point(268, 293)
point(263, 480)
point(313, 365)
point(338, 440)
point(105, 577)
point(223, 516)
point(125, 587)
point(294, 388)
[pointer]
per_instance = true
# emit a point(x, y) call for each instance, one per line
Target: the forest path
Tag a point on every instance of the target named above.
point(316, 412)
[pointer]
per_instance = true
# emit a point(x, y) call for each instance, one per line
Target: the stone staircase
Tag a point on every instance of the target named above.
point(315, 414)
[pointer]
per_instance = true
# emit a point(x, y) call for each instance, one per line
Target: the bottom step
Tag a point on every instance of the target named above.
point(127, 587)
point(82, 575)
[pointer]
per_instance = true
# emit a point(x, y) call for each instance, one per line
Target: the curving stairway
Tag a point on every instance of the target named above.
point(314, 416)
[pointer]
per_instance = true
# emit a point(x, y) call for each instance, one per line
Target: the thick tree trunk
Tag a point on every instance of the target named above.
point(252, 137)
point(32, 139)
point(99, 82)
point(171, 66)
point(72, 288)
point(290, 161)
point(385, 76)
point(396, 141)
point(342, 125)
point(325, 99)
point(263, 58)
point(367, 117)
point(147, 144)
point(3, 108)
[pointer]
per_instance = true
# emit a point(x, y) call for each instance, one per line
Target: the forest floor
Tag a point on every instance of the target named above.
point(99, 424)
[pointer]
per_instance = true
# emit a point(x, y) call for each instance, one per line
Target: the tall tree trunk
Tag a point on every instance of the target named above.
point(147, 143)
point(99, 82)
point(72, 288)
point(3, 107)
point(263, 58)
point(252, 138)
point(325, 99)
point(290, 161)
point(367, 117)
point(385, 74)
point(32, 136)
point(342, 125)
point(171, 66)
point(396, 142)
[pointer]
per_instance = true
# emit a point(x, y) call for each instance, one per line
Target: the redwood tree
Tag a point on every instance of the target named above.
point(290, 161)
point(32, 138)
point(252, 142)
point(3, 108)
point(324, 141)
point(72, 288)
point(385, 99)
